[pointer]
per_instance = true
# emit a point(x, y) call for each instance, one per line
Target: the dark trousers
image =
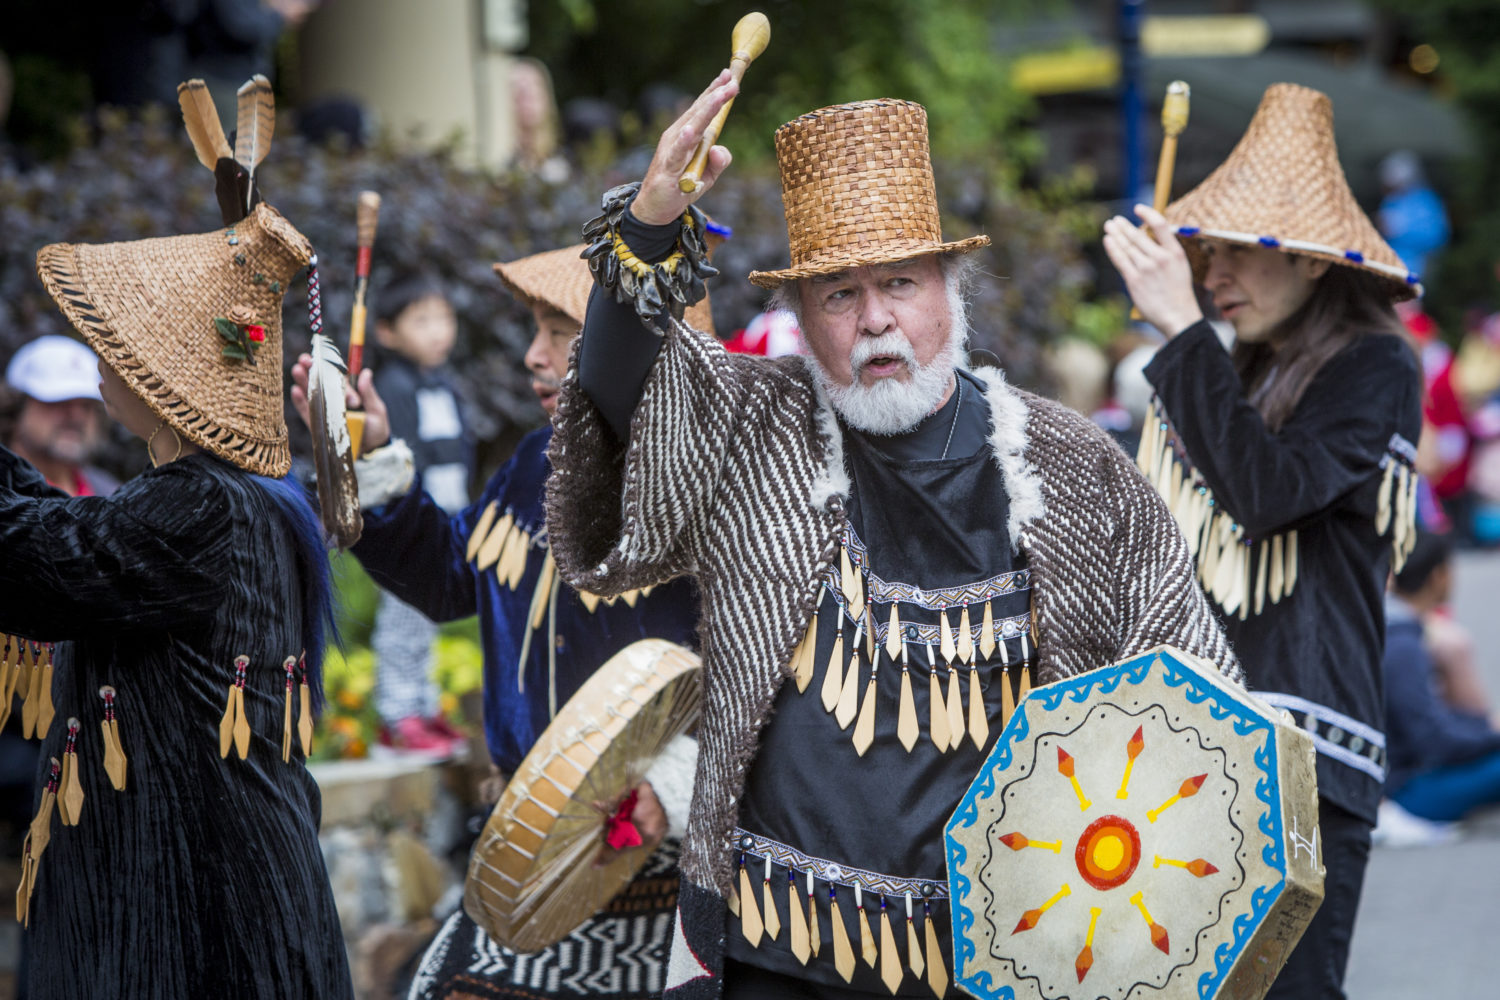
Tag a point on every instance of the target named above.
point(1446, 794)
point(1316, 969)
point(746, 982)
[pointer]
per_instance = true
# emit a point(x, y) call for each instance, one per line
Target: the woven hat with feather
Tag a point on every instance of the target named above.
point(1282, 187)
point(192, 324)
point(561, 280)
point(856, 184)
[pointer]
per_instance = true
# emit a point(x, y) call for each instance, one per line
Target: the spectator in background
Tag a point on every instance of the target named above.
point(536, 120)
point(1476, 381)
point(415, 328)
point(1444, 761)
point(1443, 449)
point(1123, 413)
point(57, 427)
point(232, 40)
point(771, 334)
point(60, 420)
point(591, 126)
point(1411, 216)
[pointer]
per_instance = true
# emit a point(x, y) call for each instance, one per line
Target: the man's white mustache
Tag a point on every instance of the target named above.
point(889, 345)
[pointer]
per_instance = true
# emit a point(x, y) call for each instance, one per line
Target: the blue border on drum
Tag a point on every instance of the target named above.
point(1078, 689)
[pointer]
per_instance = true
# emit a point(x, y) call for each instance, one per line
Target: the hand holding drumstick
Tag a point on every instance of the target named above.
point(660, 200)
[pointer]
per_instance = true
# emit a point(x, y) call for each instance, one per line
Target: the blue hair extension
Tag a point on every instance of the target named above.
point(318, 625)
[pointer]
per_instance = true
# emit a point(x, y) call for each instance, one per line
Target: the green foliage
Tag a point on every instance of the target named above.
point(1466, 35)
point(940, 53)
point(350, 726)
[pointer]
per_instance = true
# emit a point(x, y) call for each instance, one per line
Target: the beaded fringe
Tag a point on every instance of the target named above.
point(502, 544)
point(1243, 574)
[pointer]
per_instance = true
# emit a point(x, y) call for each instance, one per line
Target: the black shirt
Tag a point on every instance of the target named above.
point(1317, 652)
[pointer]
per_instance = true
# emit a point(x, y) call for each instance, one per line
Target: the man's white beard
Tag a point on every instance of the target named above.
point(889, 406)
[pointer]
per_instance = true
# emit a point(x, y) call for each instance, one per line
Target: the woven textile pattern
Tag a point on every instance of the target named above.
point(147, 308)
point(856, 180)
point(1283, 180)
point(727, 477)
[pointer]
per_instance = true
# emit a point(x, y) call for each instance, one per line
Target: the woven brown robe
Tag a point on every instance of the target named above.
point(734, 474)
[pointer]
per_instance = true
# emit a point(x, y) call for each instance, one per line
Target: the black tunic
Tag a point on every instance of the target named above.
point(203, 877)
point(1316, 652)
point(935, 523)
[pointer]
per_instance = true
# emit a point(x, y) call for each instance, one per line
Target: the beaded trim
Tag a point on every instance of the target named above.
point(670, 285)
point(1400, 448)
point(931, 634)
point(1353, 256)
point(831, 871)
point(881, 591)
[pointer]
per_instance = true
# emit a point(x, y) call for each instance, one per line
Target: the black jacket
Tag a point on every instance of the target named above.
point(1317, 652)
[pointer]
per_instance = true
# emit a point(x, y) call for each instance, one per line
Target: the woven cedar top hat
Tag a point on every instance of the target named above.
point(856, 181)
point(1282, 187)
point(193, 326)
point(561, 279)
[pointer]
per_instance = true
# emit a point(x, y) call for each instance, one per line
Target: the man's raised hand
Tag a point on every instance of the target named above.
point(660, 200)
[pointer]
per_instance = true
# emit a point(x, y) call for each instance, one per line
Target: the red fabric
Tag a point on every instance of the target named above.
point(619, 831)
point(1443, 410)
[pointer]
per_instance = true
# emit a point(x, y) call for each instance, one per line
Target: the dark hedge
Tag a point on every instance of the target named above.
point(136, 177)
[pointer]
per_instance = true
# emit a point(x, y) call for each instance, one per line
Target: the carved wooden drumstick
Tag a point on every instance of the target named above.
point(1174, 118)
point(749, 40)
point(367, 216)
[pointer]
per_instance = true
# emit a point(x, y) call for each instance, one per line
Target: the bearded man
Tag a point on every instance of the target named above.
point(888, 545)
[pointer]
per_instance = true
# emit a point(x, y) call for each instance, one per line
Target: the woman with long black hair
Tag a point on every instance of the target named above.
point(1288, 459)
point(174, 850)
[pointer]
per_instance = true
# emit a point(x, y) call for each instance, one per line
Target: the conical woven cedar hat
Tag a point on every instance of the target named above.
point(156, 312)
point(1282, 187)
point(856, 182)
point(561, 279)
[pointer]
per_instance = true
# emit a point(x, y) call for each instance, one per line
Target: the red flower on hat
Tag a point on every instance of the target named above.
point(256, 333)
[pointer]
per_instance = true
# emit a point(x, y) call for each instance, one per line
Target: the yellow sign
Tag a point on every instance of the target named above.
point(1210, 35)
point(1094, 68)
point(1097, 67)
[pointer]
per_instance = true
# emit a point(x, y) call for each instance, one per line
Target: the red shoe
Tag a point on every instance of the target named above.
point(440, 725)
point(414, 735)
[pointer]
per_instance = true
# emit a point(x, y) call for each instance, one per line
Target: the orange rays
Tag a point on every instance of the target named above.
point(1198, 867)
point(1030, 918)
point(1066, 769)
point(1188, 789)
point(1085, 960)
point(1158, 932)
point(1132, 751)
point(1019, 841)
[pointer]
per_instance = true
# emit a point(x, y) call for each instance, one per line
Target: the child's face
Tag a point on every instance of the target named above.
point(423, 333)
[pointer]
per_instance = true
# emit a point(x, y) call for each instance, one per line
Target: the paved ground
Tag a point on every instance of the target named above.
point(1428, 917)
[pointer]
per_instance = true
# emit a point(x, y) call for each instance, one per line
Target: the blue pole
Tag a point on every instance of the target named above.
point(1132, 69)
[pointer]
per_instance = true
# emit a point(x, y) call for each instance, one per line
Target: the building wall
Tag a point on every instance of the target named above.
point(420, 66)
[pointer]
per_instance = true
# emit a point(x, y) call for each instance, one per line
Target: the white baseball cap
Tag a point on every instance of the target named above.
point(54, 368)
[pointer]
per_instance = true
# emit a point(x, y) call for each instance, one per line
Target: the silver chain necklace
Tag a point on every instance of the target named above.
point(958, 380)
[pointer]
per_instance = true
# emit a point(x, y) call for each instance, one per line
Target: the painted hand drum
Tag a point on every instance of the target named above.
point(531, 876)
point(1145, 830)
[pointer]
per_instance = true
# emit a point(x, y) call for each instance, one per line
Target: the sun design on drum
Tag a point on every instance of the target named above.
point(1124, 836)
